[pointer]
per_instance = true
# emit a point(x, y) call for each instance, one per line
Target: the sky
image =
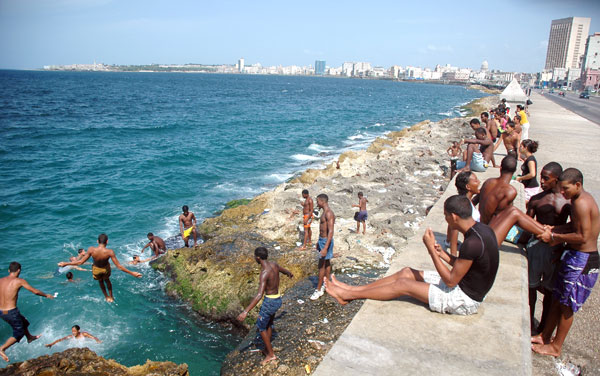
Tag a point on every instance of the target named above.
point(511, 35)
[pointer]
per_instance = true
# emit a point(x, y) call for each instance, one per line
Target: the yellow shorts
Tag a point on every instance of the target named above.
point(188, 232)
point(101, 273)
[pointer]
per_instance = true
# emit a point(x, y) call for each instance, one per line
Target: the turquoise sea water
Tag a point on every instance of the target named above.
point(120, 153)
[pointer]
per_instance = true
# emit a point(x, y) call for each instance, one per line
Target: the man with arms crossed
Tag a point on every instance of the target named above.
point(9, 294)
point(578, 270)
point(324, 245)
point(187, 225)
point(101, 267)
point(551, 208)
point(269, 286)
point(459, 290)
point(307, 217)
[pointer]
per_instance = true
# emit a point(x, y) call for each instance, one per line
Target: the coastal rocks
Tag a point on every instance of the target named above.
point(83, 361)
point(220, 277)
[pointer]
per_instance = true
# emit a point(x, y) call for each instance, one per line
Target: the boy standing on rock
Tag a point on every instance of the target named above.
point(307, 217)
point(325, 244)
point(362, 215)
point(269, 286)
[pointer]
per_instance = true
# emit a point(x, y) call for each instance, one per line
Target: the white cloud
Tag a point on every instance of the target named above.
point(435, 49)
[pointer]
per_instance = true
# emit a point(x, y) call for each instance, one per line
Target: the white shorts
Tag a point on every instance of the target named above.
point(444, 299)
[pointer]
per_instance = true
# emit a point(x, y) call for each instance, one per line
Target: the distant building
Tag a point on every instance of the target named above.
point(484, 66)
point(240, 65)
point(591, 56)
point(320, 67)
point(566, 42)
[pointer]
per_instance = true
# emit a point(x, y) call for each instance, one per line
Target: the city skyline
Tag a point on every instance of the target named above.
point(510, 35)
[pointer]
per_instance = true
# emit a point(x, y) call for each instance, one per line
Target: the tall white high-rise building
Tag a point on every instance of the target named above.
point(241, 65)
point(567, 42)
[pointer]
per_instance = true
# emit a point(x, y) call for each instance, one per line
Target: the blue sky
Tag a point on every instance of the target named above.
point(511, 35)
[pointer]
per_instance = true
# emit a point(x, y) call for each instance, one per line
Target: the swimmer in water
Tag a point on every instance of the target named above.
point(77, 334)
point(137, 260)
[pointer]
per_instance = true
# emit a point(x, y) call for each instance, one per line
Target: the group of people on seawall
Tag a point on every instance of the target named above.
point(101, 272)
point(559, 230)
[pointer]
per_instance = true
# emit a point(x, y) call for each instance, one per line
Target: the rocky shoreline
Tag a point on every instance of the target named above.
point(83, 361)
point(401, 174)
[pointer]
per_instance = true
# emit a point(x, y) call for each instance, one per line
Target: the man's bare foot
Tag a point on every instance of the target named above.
point(537, 339)
point(338, 283)
point(110, 299)
point(32, 338)
point(302, 248)
point(548, 349)
point(268, 359)
point(334, 291)
point(3, 355)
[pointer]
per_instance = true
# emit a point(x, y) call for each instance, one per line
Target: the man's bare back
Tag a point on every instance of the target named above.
point(307, 206)
point(9, 292)
point(495, 195)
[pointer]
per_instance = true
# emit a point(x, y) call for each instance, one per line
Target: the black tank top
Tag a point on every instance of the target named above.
point(529, 183)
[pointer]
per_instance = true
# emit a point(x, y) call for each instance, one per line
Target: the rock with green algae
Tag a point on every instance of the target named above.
point(220, 277)
point(83, 361)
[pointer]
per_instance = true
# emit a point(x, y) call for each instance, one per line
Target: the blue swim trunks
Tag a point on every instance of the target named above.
point(18, 323)
point(362, 216)
point(320, 246)
point(267, 313)
point(577, 276)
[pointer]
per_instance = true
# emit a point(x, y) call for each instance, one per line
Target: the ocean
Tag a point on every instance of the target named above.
point(84, 153)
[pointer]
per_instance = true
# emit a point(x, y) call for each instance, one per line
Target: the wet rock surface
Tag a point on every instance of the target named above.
point(83, 361)
point(304, 331)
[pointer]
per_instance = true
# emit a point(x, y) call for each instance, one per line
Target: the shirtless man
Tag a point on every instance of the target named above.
point(307, 217)
point(268, 285)
point(551, 208)
point(77, 334)
point(484, 144)
point(157, 245)
point(496, 194)
point(101, 267)
point(9, 294)
point(187, 225)
point(362, 213)
point(457, 286)
point(492, 128)
point(511, 140)
point(578, 270)
point(474, 159)
point(324, 245)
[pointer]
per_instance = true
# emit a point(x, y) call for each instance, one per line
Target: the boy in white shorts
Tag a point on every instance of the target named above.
point(456, 290)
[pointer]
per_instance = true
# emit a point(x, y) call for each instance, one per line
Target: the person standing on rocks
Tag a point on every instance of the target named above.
point(101, 267)
point(307, 217)
point(362, 214)
point(9, 294)
point(187, 225)
point(268, 286)
point(157, 245)
point(578, 270)
point(325, 244)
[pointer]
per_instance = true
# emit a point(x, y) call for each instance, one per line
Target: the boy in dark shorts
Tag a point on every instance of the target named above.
point(9, 294)
point(578, 271)
point(269, 286)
